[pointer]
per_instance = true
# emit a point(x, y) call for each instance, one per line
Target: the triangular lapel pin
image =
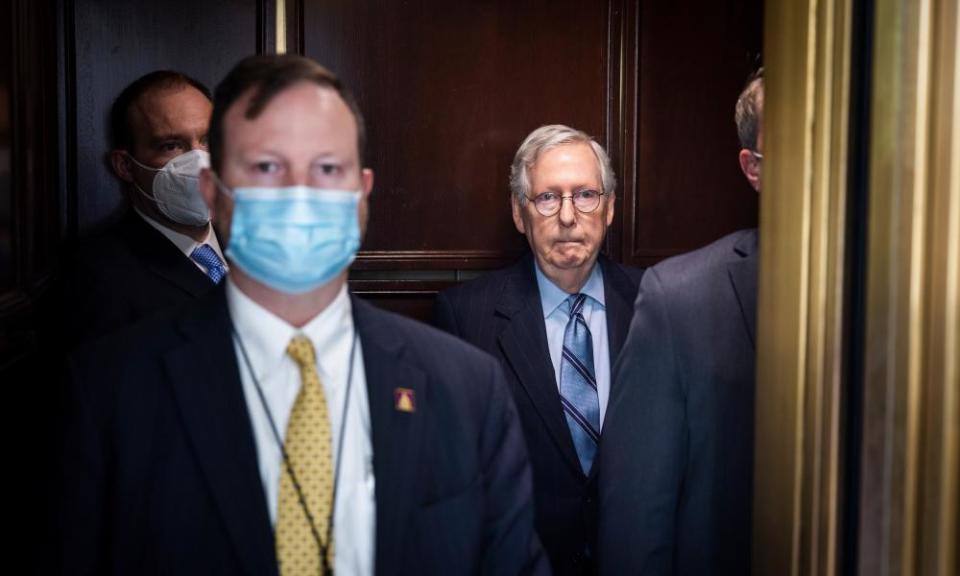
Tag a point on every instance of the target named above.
point(404, 400)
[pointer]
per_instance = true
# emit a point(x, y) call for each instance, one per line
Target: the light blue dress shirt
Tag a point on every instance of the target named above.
point(555, 317)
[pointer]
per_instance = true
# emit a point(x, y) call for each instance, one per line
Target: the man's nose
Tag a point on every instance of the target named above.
point(197, 144)
point(568, 212)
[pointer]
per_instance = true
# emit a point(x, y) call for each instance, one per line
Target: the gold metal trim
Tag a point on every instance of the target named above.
point(800, 319)
point(281, 18)
point(909, 493)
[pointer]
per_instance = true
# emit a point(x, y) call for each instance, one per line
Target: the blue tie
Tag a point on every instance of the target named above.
point(578, 384)
point(206, 257)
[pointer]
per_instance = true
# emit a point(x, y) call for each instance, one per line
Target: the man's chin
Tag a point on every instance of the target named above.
point(568, 261)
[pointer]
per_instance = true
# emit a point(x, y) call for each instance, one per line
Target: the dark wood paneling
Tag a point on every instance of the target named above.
point(449, 90)
point(117, 42)
point(29, 216)
point(29, 236)
point(7, 277)
point(694, 58)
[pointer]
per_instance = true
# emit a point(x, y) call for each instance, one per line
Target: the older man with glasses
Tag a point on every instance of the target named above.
point(556, 320)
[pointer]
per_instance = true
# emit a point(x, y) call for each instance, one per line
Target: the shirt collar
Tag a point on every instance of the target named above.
point(183, 242)
point(552, 297)
point(265, 336)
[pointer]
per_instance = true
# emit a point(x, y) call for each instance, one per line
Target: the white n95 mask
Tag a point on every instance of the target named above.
point(176, 188)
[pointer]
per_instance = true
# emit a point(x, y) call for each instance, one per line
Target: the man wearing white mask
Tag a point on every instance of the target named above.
point(164, 252)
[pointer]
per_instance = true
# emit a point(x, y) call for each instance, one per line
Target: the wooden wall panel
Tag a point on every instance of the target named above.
point(114, 43)
point(29, 205)
point(449, 90)
point(6, 153)
point(694, 58)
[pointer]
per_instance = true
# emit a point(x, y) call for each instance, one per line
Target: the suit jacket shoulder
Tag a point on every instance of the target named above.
point(689, 270)
point(160, 433)
point(676, 456)
point(464, 309)
point(122, 275)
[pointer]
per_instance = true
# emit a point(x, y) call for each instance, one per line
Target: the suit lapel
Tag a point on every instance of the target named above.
point(743, 275)
point(523, 342)
point(395, 434)
point(163, 258)
point(619, 292)
point(206, 382)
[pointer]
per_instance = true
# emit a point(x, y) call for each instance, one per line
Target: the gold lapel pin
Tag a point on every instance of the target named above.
point(404, 400)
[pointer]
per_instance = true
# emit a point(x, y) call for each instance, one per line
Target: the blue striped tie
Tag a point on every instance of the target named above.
point(578, 384)
point(206, 257)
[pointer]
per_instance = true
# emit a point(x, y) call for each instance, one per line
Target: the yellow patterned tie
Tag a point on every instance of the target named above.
point(308, 446)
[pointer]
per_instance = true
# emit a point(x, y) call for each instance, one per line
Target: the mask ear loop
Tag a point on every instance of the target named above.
point(221, 186)
point(136, 184)
point(140, 164)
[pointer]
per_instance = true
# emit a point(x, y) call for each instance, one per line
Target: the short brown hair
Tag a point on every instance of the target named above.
point(121, 134)
point(749, 113)
point(268, 75)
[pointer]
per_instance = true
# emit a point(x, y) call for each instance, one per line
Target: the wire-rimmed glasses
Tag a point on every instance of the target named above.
point(549, 203)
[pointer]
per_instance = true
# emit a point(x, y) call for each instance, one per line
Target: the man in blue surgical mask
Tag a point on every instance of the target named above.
point(279, 425)
point(164, 251)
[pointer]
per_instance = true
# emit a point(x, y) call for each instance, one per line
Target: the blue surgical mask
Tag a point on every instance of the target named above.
point(293, 239)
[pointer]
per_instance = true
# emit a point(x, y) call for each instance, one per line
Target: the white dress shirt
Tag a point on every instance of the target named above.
point(185, 243)
point(556, 315)
point(265, 338)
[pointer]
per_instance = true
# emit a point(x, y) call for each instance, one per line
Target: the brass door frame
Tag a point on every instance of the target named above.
point(800, 319)
point(908, 493)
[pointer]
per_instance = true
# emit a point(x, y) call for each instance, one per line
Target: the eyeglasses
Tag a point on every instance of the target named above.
point(549, 203)
point(757, 155)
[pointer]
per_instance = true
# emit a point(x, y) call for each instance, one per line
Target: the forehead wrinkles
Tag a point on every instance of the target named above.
point(567, 162)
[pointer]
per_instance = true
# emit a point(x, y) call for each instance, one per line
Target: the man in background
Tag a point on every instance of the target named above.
point(164, 251)
point(277, 425)
point(556, 321)
point(676, 462)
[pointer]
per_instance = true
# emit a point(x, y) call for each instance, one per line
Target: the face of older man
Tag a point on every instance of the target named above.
point(565, 244)
point(306, 136)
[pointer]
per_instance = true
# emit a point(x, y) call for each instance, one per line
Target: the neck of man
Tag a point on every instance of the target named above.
point(294, 309)
point(570, 280)
point(197, 233)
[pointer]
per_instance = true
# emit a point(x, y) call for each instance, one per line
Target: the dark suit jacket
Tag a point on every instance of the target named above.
point(161, 473)
point(676, 457)
point(501, 313)
point(123, 275)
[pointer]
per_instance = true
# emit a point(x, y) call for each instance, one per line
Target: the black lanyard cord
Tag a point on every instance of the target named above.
point(288, 465)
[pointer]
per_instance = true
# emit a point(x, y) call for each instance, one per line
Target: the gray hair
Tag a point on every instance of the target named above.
point(543, 139)
point(749, 112)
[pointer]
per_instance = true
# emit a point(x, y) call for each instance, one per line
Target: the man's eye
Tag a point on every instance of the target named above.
point(266, 167)
point(329, 169)
point(170, 146)
point(548, 197)
point(586, 194)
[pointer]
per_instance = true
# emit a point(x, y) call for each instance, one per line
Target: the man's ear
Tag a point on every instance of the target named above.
point(517, 214)
point(611, 203)
point(750, 166)
point(366, 176)
point(121, 165)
